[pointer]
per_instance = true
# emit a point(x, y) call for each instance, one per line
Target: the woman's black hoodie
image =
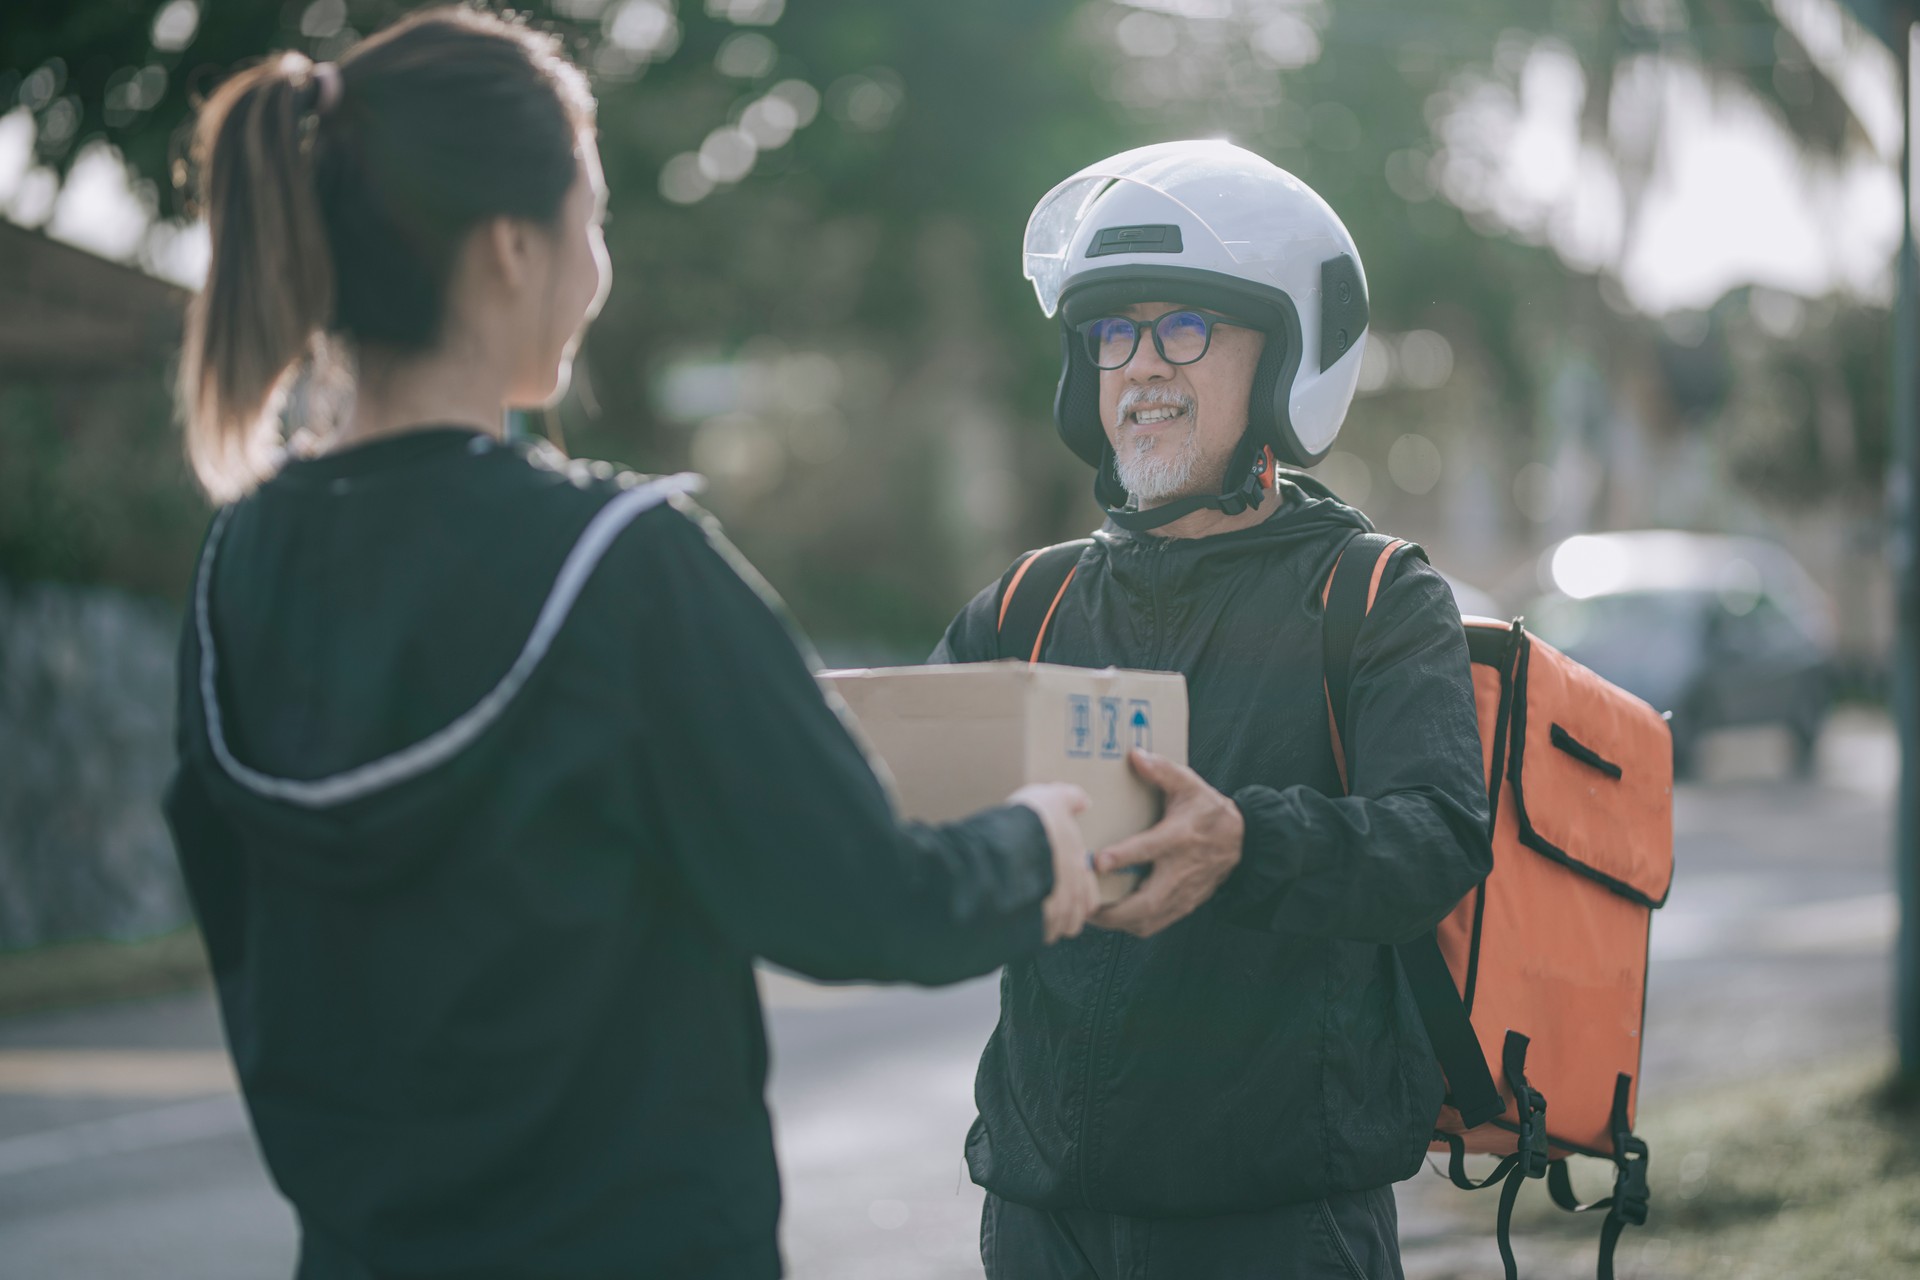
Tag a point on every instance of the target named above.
point(484, 832)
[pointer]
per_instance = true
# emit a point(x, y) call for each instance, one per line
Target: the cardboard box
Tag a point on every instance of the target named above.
point(953, 740)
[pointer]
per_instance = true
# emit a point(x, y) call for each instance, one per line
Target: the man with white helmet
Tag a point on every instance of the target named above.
point(1226, 1078)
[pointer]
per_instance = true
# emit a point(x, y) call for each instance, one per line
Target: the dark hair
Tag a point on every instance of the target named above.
point(341, 208)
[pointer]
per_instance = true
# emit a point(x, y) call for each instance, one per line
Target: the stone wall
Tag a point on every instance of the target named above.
point(86, 725)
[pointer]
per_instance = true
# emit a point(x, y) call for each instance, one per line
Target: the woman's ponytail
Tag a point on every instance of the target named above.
point(337, 198)
point(270, 281)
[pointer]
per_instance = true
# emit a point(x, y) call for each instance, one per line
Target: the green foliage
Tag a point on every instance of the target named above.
point(94, 488)
point(885, 237)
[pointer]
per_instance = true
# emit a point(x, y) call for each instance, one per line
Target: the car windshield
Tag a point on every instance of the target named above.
point(1629, 630)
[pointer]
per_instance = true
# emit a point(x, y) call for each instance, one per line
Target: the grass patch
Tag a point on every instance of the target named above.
point(1813, 1175)
point(82, 972)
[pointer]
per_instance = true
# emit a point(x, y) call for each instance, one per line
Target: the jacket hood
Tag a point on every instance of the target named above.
point(365, 629)
point(1311, 513)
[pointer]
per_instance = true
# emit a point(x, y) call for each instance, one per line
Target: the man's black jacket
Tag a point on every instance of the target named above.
point(1265, 1049)
point(497, 1017)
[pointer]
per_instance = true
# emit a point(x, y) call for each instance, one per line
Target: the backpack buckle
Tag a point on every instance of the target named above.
point(1630, 1195)
point(1531, 1106)
point(1533, 1133)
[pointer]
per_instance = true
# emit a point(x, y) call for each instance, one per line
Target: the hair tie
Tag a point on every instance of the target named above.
point(326, 77)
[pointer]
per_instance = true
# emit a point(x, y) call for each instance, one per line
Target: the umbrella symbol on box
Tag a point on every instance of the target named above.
point(1142, 724)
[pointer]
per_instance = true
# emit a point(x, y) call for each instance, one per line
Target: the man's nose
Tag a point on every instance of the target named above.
point(1148, 365)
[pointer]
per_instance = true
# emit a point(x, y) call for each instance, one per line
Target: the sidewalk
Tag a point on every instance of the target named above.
point(123, 1150)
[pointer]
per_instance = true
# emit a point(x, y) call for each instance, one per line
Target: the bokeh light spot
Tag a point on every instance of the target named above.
point(1425, 360)
point(175, 26)
point(1415, 464)
point(727, 155)
point(747, 55)
point(1585, 566)
point(682, 181)
point(1348, 475)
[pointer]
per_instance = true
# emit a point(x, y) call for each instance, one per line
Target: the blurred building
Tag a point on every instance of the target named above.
point(65, 313)
point(97, 529)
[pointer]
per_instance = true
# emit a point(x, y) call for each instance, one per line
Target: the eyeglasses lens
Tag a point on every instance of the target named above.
point(1183, 336)
point(1111, 340)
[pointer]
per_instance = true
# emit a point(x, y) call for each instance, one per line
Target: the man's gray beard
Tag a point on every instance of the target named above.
point(1158, 471)
point(1154, 469)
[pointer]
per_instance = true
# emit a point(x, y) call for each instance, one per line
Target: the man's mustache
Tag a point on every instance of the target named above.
point(1150, 397)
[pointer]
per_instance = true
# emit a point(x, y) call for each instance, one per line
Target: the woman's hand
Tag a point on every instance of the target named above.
point(1076, 893)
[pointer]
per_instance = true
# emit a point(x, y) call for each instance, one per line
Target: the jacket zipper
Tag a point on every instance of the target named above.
point(1157, 644)
point(1112, 946)
point(1154, 556)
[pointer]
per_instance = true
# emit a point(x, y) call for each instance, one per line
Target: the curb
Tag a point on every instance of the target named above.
point(77, 973)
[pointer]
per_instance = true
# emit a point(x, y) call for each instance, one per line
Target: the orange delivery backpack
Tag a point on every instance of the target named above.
point(1542, 968)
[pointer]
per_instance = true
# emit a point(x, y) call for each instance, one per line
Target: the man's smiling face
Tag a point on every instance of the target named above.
point(1174, 427)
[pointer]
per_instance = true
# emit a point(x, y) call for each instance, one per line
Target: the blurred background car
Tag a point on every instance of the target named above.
point(1718, 631)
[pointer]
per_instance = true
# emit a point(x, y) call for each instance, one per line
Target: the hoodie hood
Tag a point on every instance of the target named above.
point(395, 626)
point(1311, 512)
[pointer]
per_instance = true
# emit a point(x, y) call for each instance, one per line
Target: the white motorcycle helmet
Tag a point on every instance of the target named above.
point(1207, 224)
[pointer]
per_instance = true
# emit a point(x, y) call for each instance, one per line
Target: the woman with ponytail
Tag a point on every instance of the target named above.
point(497, 770)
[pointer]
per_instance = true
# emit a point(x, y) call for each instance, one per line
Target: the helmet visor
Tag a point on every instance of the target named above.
point(1050, 233)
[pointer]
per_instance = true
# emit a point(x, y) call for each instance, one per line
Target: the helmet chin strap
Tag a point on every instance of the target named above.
point(1231, 501)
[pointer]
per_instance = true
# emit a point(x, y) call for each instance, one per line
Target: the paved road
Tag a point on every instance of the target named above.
point(124, 1153)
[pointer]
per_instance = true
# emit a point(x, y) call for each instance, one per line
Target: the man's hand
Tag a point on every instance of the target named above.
point(1076, 894)
point(1193, 847)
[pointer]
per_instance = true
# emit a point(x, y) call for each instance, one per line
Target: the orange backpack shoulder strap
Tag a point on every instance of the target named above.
point(1031, 596)
point(1348, 597)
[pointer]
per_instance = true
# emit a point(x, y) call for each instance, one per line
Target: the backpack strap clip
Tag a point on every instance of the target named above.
point(1630, 1153)
point(1630, 1194)
point(1627, 1206)
point(1529, 1104)
point(1530, 1157)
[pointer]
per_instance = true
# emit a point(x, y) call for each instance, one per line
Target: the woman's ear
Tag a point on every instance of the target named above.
point(505, 251)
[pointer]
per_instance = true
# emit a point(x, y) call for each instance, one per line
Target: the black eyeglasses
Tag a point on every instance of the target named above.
point(1181, 337)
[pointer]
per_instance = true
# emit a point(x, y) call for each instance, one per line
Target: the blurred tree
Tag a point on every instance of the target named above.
point(818, 206)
